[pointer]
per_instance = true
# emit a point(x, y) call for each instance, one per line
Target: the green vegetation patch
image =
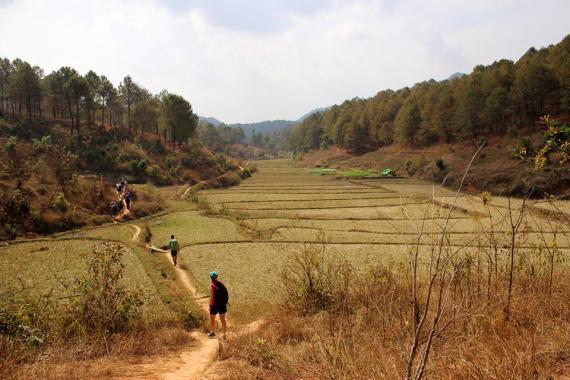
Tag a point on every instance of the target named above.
point(361, 173)
point(36, 269)
point(190, 227)
point(321, 171)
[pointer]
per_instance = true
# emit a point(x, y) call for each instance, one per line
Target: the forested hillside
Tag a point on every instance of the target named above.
point(65, 138)
point(67, 95)
point(504, 98)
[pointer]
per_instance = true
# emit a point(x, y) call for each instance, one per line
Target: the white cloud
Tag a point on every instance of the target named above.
point(321, 56)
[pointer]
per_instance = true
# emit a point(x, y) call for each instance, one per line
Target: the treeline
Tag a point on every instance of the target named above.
point(219, 138)
point(504, 97)
point(223, 138)
point(65, 94)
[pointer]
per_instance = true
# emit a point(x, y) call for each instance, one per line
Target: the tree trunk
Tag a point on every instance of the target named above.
point(70, 113)
point(77, 118)
point(129, 116)
point(29, 107)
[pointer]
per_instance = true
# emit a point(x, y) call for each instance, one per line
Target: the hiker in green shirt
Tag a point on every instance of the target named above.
point(174, 247)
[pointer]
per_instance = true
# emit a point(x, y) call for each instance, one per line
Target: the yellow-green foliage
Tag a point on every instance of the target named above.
point(36, 269)
point(190, 227)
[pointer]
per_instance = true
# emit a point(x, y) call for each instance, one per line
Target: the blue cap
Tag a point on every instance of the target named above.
point(213, 274)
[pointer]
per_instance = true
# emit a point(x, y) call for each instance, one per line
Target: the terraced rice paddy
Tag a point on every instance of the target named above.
point(47, 268)
point(365, 221)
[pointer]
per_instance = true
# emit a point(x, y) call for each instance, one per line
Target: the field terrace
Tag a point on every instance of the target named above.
point(366, 221)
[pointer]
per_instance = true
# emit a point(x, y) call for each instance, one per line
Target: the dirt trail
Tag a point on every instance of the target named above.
point(189, 364)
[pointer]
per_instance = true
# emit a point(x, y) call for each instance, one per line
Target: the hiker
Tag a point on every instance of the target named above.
point(114, 209)
point(174, 247)
point(218, 304)
point(128, 200)
point(119, 187)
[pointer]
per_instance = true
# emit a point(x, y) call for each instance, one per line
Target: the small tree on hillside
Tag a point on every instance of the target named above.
point(177, 118)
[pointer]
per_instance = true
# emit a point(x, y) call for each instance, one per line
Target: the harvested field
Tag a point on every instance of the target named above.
point(405, 212)
point(365, 221)
point(252, 270)
point(36, 269)
point(319, 204)
point(190, 228)
point(457, 239)
point(293, 197)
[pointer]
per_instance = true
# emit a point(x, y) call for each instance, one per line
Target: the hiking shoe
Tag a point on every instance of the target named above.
point(211, 335)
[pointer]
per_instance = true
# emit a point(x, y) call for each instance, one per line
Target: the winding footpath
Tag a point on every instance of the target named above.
point(191, 364)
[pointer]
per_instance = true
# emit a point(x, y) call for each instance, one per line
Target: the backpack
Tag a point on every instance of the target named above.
point(221, 296)
point(174, 245)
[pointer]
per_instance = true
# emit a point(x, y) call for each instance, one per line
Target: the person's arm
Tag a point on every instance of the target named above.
point(211, 295)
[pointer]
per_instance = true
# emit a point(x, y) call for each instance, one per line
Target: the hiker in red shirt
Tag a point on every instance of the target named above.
point(218, 304)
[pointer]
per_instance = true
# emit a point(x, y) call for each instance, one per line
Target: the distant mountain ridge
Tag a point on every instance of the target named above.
point(211, 120)
point(266, 126)
point(456, 75)
point(319, 109)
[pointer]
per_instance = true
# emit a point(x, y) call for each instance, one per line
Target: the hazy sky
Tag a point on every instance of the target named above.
point(243, 61)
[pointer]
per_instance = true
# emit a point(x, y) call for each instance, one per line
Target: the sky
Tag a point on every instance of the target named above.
point(253, 60)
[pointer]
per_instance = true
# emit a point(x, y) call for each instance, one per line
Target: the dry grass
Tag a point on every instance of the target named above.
point(485, 327)
point(366, 332)
point(29, 271)
point(95, 357)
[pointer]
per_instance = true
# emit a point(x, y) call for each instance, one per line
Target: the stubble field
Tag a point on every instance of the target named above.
point(364, 221)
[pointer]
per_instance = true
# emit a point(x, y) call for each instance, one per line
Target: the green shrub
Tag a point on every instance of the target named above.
point(138, 168)
point(10, 145)
point(419, 162)
point(522, 149)
point(145, 209)
point(14, 212)
point(408, 166)
point(146, 234)
point(229, 180)
point(103, 304)
point(186, 161)
point(154, 171)
point(244, 174)
point(174, 172)
point(59, 203)
point(41, 169)
point(97, 220)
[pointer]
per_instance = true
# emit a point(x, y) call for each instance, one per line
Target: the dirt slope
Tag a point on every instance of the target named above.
point(494, 170)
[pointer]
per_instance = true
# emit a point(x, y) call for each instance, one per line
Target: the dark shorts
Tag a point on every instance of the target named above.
point(174, 253)
point(215, 309)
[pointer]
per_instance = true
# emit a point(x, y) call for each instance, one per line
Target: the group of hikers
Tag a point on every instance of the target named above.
point(124, 199)
point(218, 292)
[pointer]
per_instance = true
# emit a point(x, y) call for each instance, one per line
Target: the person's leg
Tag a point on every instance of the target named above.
point(212, 323)
point(223, 319)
